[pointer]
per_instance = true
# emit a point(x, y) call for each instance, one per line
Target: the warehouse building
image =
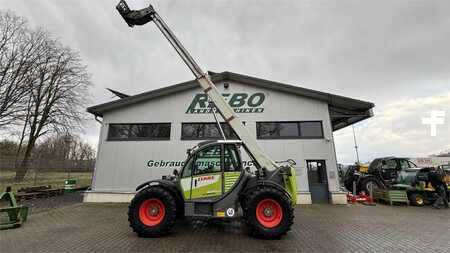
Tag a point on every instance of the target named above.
point(145, 136)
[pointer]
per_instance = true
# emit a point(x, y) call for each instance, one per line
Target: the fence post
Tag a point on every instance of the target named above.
point(66, 168)
point(35, 172)
point(70, 164)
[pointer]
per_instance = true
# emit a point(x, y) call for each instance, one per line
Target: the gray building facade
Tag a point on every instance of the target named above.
point(145, 136)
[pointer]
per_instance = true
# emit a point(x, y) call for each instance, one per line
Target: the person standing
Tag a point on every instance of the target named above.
point(436, 178)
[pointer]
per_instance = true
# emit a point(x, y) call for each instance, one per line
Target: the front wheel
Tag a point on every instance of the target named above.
point(417, 199)
point(152, 212)
point(268, 212)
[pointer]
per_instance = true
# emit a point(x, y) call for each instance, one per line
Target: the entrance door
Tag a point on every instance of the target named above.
point(318, 183)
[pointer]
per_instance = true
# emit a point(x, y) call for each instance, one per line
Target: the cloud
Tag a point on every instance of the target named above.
point(397, 129)
point(380, 51)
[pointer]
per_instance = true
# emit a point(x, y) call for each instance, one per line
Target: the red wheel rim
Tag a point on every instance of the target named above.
point(152, 212)
point(269, 213)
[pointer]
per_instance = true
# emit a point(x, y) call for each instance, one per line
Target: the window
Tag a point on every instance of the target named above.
point(187, 172)
point(412, 165)
point(147, 131)
point(205, 131)
point(208, 160)
point(289, 130)
point(311, 129)
point(404, 164)
point(389, 164)
point(277, 129)
point(231, 157)
point(316, 172)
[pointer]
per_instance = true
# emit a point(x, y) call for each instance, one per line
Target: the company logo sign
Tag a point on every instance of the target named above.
point(240, 102)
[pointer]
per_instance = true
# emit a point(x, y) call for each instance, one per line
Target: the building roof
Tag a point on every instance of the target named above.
point(344, 111)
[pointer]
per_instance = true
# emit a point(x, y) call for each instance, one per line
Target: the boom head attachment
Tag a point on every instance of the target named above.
point(135, 17)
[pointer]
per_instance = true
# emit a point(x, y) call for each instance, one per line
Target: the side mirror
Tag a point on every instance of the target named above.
point(175, 172)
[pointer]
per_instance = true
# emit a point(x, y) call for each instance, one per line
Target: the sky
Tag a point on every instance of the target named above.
point(395, 54)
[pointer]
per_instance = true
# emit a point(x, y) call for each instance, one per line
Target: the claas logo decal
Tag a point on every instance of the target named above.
point(240, 102)
point(205, 178)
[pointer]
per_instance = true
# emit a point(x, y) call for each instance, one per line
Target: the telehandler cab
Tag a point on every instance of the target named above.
point(212, 182)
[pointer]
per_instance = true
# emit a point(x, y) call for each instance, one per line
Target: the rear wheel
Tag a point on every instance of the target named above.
point(417, 199)
point(268, 212)
point(370, 183)
point(152, 212)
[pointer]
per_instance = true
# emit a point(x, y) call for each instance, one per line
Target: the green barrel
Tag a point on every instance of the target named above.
point(69, 185)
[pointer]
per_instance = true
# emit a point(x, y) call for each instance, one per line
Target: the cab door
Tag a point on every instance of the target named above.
point(232, 167)
point(211, 172)
point(202, 175)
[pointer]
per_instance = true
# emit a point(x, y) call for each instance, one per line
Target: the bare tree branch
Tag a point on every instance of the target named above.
point(43, 84)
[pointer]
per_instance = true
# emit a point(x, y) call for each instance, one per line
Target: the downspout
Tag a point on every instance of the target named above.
point(98, 150)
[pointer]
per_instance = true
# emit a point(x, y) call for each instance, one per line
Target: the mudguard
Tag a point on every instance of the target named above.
point(159, 182)
point(253, 183)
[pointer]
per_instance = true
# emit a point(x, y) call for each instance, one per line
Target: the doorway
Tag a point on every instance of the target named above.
point(318, 183)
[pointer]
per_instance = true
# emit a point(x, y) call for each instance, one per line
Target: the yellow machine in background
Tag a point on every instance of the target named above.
point(446, 170)
point(363, 168)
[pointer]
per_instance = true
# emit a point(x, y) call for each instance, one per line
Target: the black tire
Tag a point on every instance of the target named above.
point(250, 216)
point(365, 182)
point(417, 199)
point(168, 220)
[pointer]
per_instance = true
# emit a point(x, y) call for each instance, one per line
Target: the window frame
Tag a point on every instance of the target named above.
point(233, 149)
point(258, 136)
point(221, 161)
point(109, 138)
point(207, 138)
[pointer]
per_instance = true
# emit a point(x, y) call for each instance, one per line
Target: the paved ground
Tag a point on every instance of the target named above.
point(47, 204)
point(318, 228)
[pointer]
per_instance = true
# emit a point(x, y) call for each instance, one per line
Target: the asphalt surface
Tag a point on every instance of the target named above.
point(82, 227)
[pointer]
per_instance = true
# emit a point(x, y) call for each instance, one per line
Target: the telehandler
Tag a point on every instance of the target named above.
point(212, 183)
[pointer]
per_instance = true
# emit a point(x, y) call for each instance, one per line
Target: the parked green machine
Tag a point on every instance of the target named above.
point(381, 173)
point(417, 185)
point(393, 173)
point(16, 214)
point(213, 182)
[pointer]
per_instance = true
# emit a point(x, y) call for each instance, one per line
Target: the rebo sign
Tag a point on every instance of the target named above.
point(240, 102)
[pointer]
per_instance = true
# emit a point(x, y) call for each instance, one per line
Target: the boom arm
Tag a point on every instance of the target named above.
point(141, 17)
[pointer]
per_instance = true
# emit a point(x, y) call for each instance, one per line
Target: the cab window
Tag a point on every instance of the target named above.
point(404, 164)
point(412, 165)
point(187, 172)
point(231, 158)
point(208, 160)
point(390, 164)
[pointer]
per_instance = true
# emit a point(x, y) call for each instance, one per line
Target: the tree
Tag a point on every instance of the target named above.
point(44, 85)
point(19, 51)
point(65, 147)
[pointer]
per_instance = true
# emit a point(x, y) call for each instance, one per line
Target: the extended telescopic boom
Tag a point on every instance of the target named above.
point(143, 16)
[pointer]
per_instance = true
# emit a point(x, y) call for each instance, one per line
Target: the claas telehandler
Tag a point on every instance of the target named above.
point(213, 182)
